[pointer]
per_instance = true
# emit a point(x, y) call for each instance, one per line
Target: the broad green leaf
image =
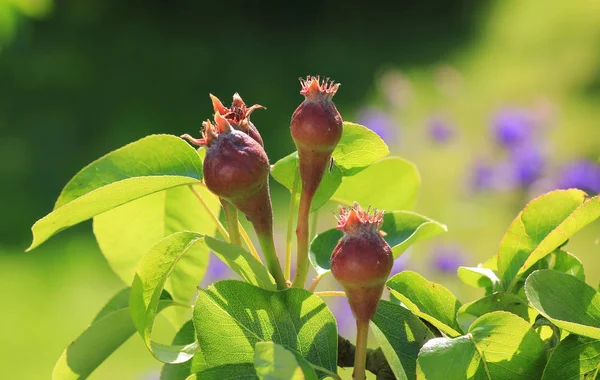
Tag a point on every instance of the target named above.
point(401, 230)
point(358, 148)
point(111, 327)
point(567, 263)
point(182, 371)
point(498, 301)
point(241, 371)
point(400, 334)
point(242, 263)
point(127, 232)
point(498, 345)
point(544, 225)
point(146, 166)
point(275, 362)
point(150, 278)
point(399, 176)
point(428, 300)
point(575, 357)
point(242, 315)
point(567, 302)
point(404, 228)
point(285, 169)
point(479, 277)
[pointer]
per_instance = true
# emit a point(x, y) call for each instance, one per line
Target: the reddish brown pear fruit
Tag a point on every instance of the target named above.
point(238, 115)
point(361, 261)
point(236, 168)
point(316, 128)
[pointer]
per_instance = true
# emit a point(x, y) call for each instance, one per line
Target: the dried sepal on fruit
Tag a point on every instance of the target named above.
point(238, 115)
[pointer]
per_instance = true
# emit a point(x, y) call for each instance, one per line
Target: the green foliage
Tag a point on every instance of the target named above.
point(575, 357)
point(273, 362)
point(428, 300)
point(469, 312)
point(242, 315)
point(566, 301)
point(499, 345)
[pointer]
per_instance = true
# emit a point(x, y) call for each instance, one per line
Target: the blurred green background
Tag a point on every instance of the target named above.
point(81, 78)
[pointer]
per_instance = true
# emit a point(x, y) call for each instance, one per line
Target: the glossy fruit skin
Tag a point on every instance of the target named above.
point(316, 128)
point(236, 168)
point(361, 262)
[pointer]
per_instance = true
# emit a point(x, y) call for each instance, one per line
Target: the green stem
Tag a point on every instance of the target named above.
point(315, 282)
point(220, 226)
point(360, 356)
point(302, 235)
point(290, 227)
point(231, 216)
point(267, 244)
point(314, 220)
point(248, 242)
point(330, 293)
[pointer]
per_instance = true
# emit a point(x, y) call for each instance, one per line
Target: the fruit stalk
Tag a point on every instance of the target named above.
point(360, 355)
point(231, 217)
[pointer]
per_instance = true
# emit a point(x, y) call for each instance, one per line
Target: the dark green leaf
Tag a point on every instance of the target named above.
point(108, 331)
point(428, 300)
point(400, 335)
point(241, 371)
point(567, 302)
point(144, 167)
point(567, 263)
point(469, 312)
point(275, 362)
point(358, 148)
point(499, 345)
point(394, 173)
point(544, 225)
point(575, 357)
point(242, 315)
point(321, 249)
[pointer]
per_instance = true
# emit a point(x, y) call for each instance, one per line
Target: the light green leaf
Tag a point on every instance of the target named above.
point(428, 300)
point(275, 362)
point(242, 263)
point(150, 277)
point(544, 225)
point(111, 327)
point(567, 263)
point(401, 228)
point(400, 334)
point(182, 371)
point(367, 187)
point(146, 166)
point(498, 345)
point(480, 277)
point(285, 169)
point(242, 315)
point(498, 301)
point(358, 148)
point(241, 371)
point(575, 357)
point(127, 232)
point(567, 302)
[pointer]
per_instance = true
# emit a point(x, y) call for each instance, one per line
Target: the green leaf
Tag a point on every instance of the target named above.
point(567, 302)
point(358, 148)
point(242, 315)
point(400, 334)
point(111, 327)
point(544, 225)
point(479, 277)
point(389, 173)
point(285, 169)
point(150, 278)
point(404, 228)
point(127, 232)
point(428, 300)
point(498, 301)
point(242, 263)
point(182, 371)
point(575, 357)
point(499, 345)
point(274, 362)
point(146, 166)
point(241, 371)
point(401, 228)
point(567, 263)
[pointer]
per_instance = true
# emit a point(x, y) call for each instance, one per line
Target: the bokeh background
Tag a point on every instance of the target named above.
point(495, 102)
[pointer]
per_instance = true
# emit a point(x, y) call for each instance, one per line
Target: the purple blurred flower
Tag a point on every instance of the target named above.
point(527, 164)
point(482, 177)
point(216, 271)
point(440, 130)
point(447, 258)
point(581, 174)
point(512, 127)
point(379, 122)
